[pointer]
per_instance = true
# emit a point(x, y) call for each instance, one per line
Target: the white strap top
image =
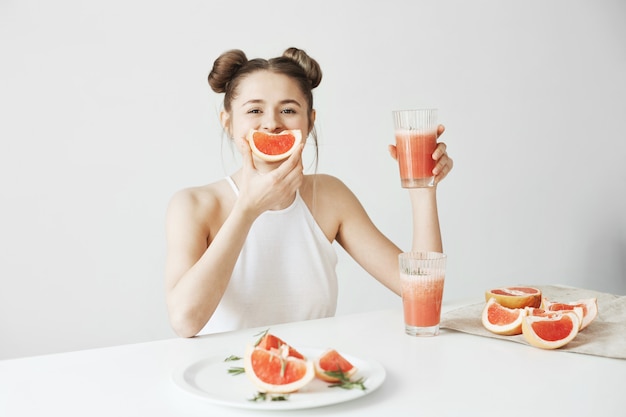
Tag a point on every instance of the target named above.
point(285, 272)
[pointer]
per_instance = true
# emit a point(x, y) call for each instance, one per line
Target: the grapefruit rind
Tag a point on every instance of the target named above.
point(515, 297)
point(342, 365)
point(295, 135)
point(280, 358)
point(588, 308)
point(502, 320)
point(564, 319)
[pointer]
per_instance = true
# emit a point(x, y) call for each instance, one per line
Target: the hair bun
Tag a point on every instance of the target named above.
point(224, 68)
point(309, 65)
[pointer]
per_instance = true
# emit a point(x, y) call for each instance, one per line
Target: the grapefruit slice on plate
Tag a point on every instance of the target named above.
point(273, 147)
point(551, 332)
point(330, 362)
point(269, 341)
point(515, 297)
point(274, 371)
point(502, 320)
point(589, 308)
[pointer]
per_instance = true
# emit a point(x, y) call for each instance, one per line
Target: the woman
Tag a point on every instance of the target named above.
point(255, 248)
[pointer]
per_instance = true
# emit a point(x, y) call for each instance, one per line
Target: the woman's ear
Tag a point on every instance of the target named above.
point(311, 121)
point(225, 121)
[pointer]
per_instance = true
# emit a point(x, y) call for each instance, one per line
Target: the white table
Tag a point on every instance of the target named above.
point(453, 374)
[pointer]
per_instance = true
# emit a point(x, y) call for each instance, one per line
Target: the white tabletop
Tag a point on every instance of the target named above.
point(452, 374)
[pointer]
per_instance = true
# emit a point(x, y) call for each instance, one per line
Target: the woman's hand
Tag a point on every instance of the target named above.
point(444, 162)
point(275, 189)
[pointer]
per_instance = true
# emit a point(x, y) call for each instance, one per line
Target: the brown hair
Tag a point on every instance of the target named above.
point(231, 67)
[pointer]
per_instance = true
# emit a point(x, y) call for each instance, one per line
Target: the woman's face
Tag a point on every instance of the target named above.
point(268, 102)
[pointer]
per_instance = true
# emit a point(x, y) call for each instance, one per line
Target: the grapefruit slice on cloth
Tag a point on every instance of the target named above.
point(274, 371)
point(515, 297)
point(551, 332)
point(589, 308)
point(273, 147)
point(331, 362)
point(502, 320)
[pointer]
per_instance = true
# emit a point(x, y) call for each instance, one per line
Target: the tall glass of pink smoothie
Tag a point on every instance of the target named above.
point(422, 276)
point(416, 140)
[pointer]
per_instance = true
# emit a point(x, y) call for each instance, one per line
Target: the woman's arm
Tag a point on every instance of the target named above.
point(206, 230)
point(426, 230)
point(360, 238)
point(198, 265)
point(374, 251)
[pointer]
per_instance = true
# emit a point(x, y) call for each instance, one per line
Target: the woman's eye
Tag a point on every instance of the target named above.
point(254, 111)
point(288, 111)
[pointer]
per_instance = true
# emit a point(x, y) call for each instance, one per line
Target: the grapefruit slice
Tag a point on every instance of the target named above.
point(551, 332)
point(515, 297)
point(274, 371)
point(589, 307)
point(535, 311)
point(502, 320)
point(273, 147)
point(270, 341)
point(331, 361)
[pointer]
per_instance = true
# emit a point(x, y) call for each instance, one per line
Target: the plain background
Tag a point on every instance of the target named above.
point(105, 112)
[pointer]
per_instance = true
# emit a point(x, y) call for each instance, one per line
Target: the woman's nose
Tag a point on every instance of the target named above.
point(272, 122)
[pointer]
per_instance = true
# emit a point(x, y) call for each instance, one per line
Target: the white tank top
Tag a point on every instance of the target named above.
point(285, 272)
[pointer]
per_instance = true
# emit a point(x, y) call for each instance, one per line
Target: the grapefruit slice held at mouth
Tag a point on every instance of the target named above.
point(273, 147)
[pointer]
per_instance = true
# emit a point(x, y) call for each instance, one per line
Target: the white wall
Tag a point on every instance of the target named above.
point(105, 112)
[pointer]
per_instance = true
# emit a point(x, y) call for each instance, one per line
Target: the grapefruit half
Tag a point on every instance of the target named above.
point(589, 307)
point(502, 320)
point(332, 361)
point(273, 147)
point(515, 297)
point(274, 371)
point(551, 332)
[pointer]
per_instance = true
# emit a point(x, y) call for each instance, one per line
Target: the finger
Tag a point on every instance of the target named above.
point(246, 152)
point(293, 162)
point(440, 130)
point(441, 164)
point(296, 157)
point(440, 151)
point(443, 169)
point(393, 151)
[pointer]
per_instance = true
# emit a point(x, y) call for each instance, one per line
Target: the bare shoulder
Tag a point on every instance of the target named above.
point(324, 182)
point(194, 198)
point(330, 201)
point(324, 187)
point(202, 208)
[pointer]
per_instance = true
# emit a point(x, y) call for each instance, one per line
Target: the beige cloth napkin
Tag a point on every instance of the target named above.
point(605, 336)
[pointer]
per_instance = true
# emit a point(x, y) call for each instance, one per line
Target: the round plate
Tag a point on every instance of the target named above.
point(208, 379)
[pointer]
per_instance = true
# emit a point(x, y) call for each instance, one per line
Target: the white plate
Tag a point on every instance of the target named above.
point(209, 380)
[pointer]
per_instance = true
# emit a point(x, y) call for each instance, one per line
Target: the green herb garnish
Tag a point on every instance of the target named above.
point(235, 370)
point(261, 335)
point(264, 396)
point(345, 382)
